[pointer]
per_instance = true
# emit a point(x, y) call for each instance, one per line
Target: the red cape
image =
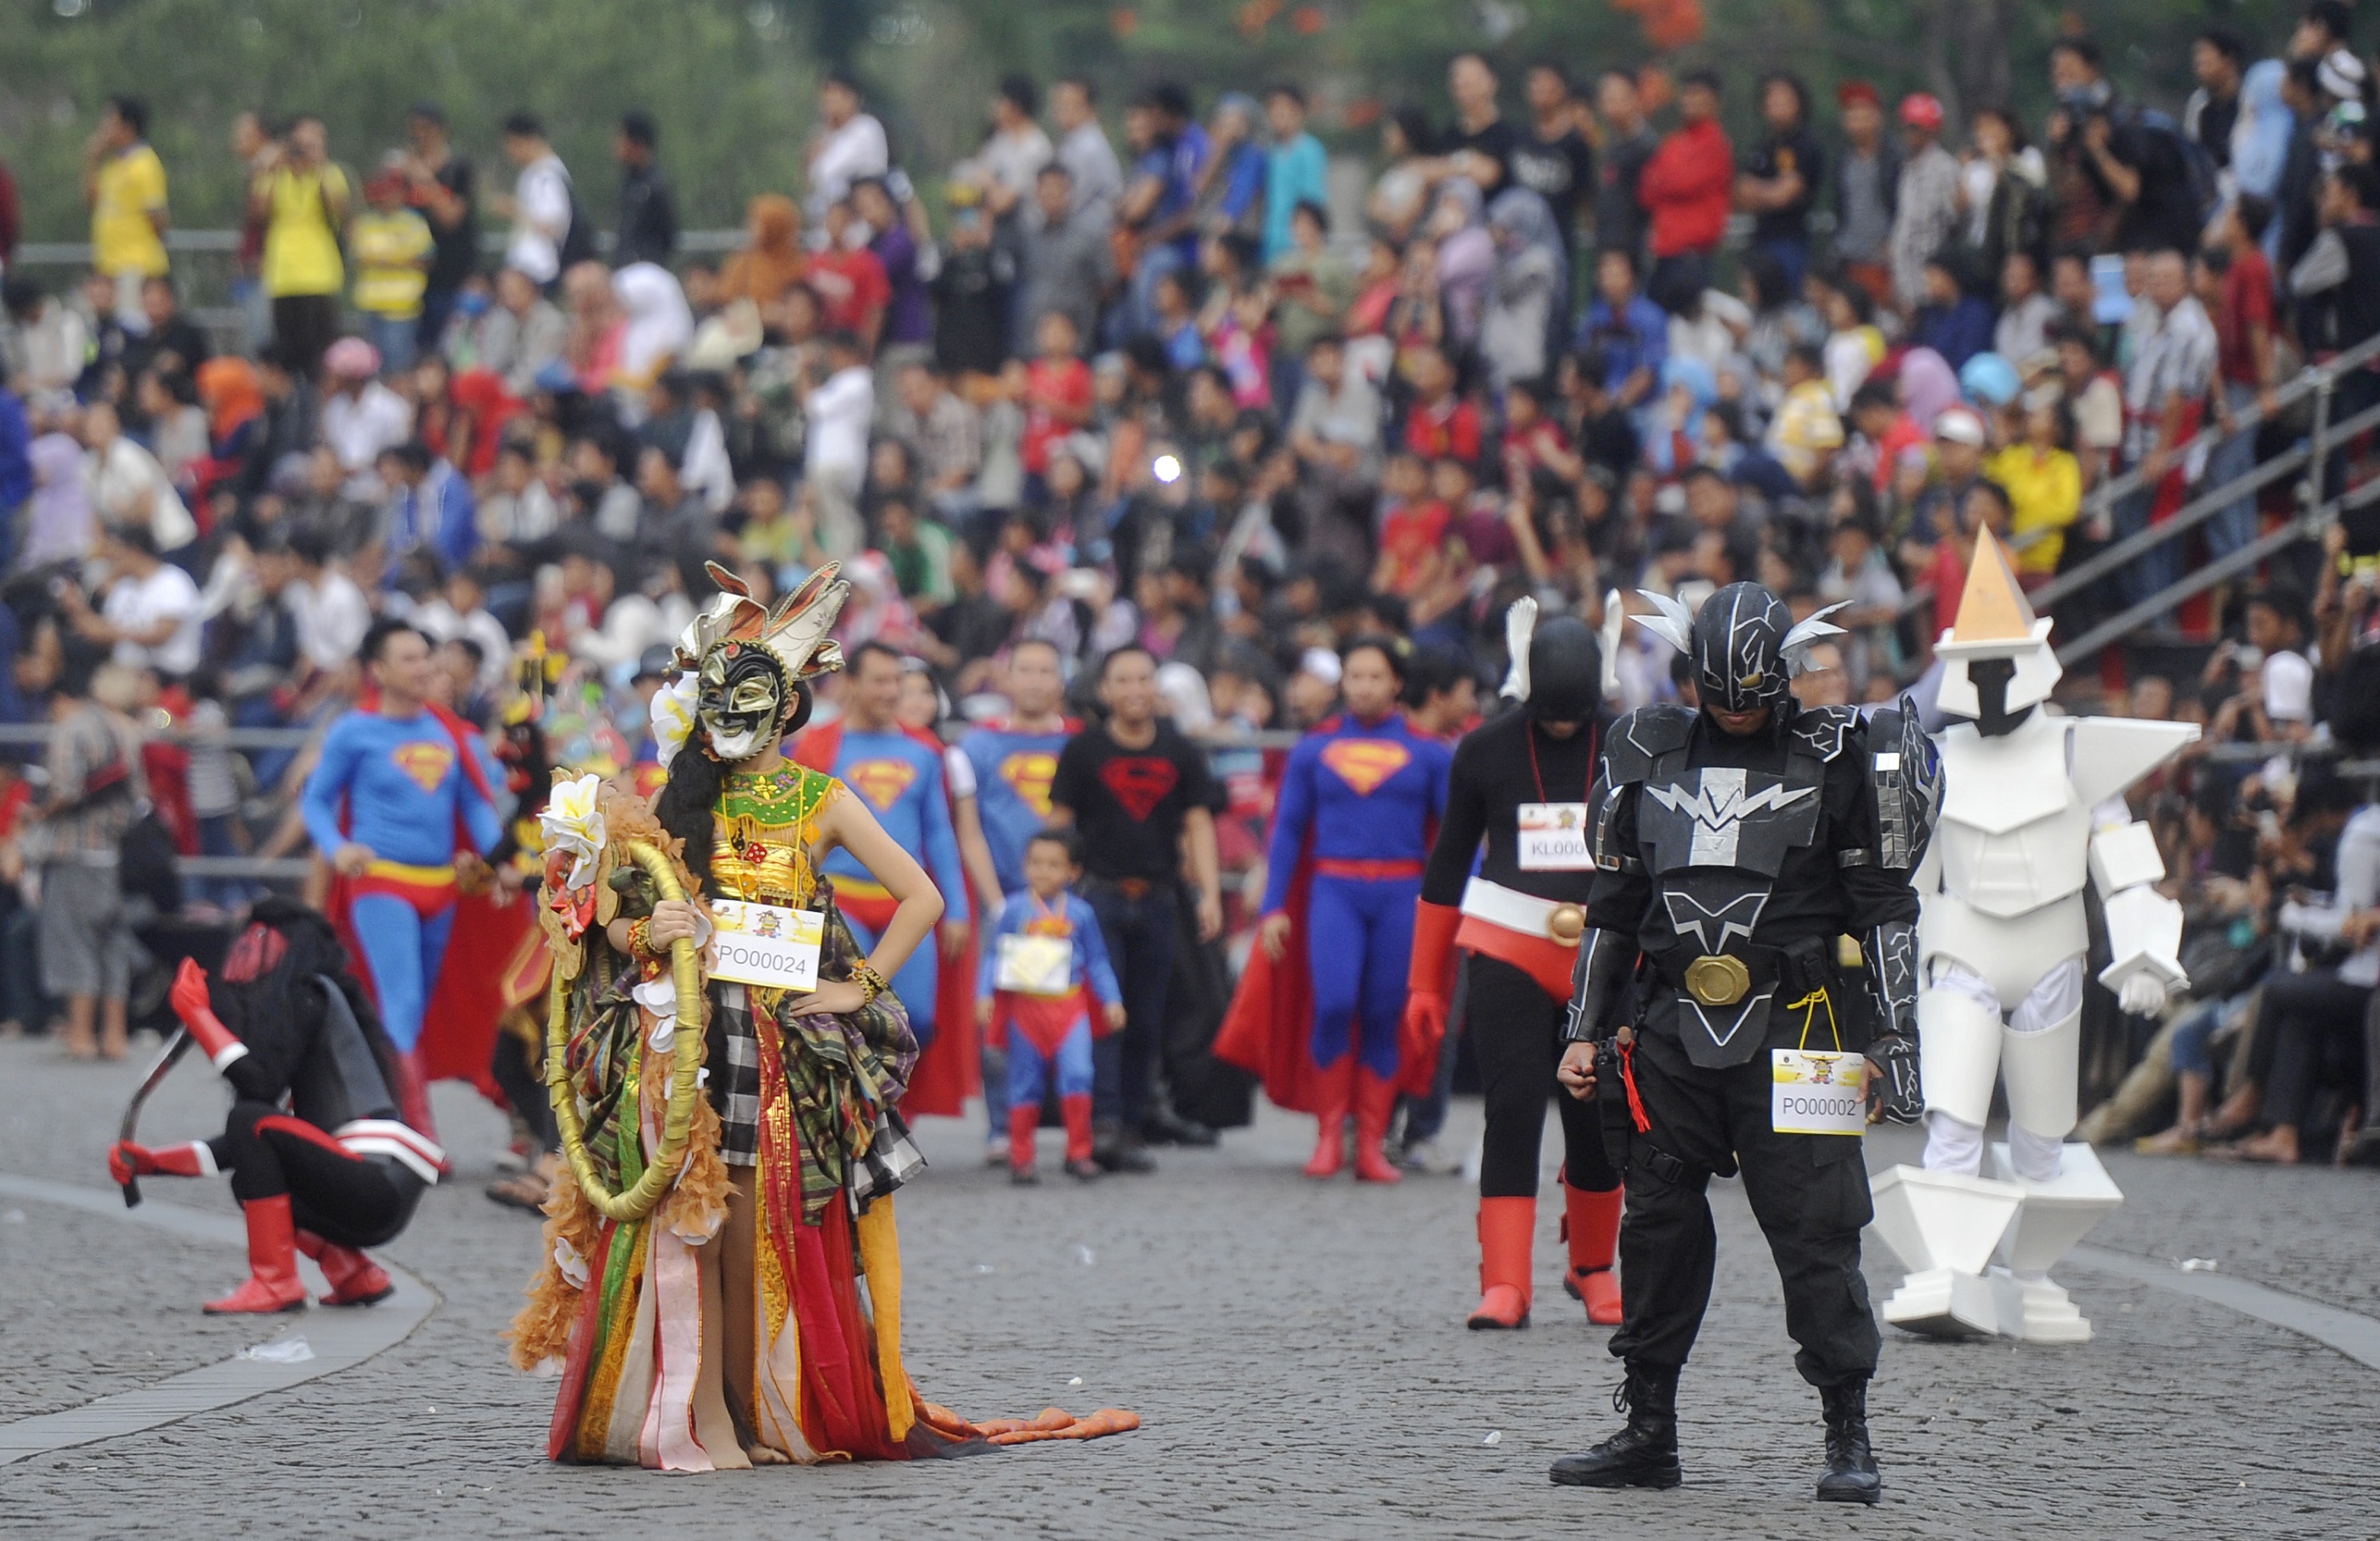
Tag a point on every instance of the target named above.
point(951, 1070)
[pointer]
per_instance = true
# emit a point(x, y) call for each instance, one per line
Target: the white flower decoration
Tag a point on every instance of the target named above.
point(672, 715)
point(573, 822)
point(659, 997)
point(571, 1265)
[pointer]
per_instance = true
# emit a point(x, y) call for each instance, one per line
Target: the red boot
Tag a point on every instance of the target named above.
point(1023, 1123)
point(354, 1279)
point(1076, 1110)
point(271, 1284)
point(1333, 1086)
point(1591, 1226)
point(1508, 1229)
point(1375, 1103)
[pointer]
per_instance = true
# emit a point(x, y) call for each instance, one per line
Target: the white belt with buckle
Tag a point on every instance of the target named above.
point(1555, 920)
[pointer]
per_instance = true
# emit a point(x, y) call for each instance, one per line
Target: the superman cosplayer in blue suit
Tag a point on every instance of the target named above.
point(419, 790)
point(1012, 770)
point(899, 775)
point(1358, 808)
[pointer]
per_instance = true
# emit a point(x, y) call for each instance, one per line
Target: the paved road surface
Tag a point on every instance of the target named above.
point(1295, 1351)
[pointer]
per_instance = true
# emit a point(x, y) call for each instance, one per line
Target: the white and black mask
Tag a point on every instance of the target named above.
point(740, 701)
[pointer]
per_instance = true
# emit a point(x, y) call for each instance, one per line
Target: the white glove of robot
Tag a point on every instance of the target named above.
point(2142, 995)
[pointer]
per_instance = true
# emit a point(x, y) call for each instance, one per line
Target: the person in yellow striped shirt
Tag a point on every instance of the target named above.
point(392, 246)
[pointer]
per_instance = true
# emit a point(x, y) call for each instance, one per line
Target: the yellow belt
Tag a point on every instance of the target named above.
point(401, 872)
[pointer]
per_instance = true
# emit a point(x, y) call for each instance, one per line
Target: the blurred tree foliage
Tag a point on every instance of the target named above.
point(731, 81)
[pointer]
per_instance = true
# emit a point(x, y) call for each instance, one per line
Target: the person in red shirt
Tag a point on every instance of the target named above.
point(1413, 528)
point(1688, 188)
point(850, 280)
point(1057, 391)
point(2243, 360)
point(1439, 425)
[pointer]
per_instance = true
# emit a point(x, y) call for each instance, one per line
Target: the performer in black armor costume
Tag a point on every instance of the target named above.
point(1733, 846)
point(337, 1171)
point(1520, 917)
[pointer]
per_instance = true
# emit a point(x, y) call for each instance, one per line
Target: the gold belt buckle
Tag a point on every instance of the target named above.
point(1566, 924)
point(1715, 980)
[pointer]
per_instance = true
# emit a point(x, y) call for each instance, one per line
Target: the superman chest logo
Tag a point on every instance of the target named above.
point(424, 762)
point(1365, 763)
point(1028, 773)
point(881, 782)
point(1139, 783)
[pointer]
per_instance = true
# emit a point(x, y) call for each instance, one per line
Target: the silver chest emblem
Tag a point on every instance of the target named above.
point(1719, 806)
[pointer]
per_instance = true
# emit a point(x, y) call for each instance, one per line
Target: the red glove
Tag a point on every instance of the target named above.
point(190, 1002)
point(126, 1160)
point(1418, 1036)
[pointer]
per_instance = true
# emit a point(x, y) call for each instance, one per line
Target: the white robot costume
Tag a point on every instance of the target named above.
point(2033, 806)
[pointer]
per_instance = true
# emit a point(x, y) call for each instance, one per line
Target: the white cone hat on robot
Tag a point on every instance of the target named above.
point(1995, 620)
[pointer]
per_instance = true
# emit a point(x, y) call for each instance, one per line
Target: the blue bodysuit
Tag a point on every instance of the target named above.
point(1368, 797)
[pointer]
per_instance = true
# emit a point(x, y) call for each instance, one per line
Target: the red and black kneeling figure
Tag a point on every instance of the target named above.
point(1520, 784)
point(317, 1155)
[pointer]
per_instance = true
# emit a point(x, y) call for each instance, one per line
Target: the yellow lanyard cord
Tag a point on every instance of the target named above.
point(1808, 1006)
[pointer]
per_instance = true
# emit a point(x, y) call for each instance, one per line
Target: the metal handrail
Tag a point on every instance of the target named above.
point(493, 241)
point(221, 738)
point(2306, 525)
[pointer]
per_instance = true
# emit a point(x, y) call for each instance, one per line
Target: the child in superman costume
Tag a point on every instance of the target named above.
point(1360, 801)
point(1045, 968)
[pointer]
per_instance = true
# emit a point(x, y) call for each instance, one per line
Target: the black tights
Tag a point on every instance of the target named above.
point(352, 1200)
point(515, 1067)
point(1515, 1030)
point(2309, 1035)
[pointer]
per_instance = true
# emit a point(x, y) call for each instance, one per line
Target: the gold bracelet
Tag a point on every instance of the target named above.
point(640, 937)
point(872, 984)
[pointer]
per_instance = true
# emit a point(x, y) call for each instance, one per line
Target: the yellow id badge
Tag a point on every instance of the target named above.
point(767, 944)
point(1817, 1093)
point(1035, 965)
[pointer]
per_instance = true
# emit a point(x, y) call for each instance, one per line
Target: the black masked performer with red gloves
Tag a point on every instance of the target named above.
point(335, 1171)
point(1520, 783)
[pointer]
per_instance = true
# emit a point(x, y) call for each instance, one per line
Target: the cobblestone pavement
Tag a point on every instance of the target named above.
point(1295, 1351)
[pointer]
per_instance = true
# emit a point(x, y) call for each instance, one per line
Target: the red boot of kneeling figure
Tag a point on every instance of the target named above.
point(271, 1284)
point(354, 1279)
point(1333, 1087)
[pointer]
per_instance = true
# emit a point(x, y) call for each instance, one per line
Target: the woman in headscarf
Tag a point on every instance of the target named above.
point(1466, 257)
point(2259, 138)
point(1673, 430)
point(1530, 295)
point(597, 327)
point(774, 260)
point(660, 321)
point(1929, 386)
point(235, 405)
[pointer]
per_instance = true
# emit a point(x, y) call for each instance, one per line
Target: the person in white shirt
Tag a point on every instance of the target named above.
point(834, 455)
point(150, 617)
point(540, 202)
point(1083, 147)
point(1014, 154)
point(330, 610)
point(849, 146)
point(127, 487)
point(461, 611)
point(360, 416)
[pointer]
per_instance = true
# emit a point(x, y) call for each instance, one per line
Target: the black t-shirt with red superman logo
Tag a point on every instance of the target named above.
point(1130, 803)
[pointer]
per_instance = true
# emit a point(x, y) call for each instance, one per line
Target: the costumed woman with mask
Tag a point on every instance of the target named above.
point(723, 1279)
point(1360, 799)
point(1520, 784)
point(336, 1170)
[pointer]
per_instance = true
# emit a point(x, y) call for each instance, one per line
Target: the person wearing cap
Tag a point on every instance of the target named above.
point(1867, 190)
point(393, 246)
point(302, 198)
point(360, 416)
point(1925, 207)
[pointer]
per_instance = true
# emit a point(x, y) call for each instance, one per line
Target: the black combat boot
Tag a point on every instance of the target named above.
point(1850, 1475)
point(1643, 1454)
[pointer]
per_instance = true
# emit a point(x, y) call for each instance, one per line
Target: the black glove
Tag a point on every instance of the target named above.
point(1894, 1088)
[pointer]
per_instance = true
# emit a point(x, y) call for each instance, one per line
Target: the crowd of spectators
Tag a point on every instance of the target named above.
point(1185, 389)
